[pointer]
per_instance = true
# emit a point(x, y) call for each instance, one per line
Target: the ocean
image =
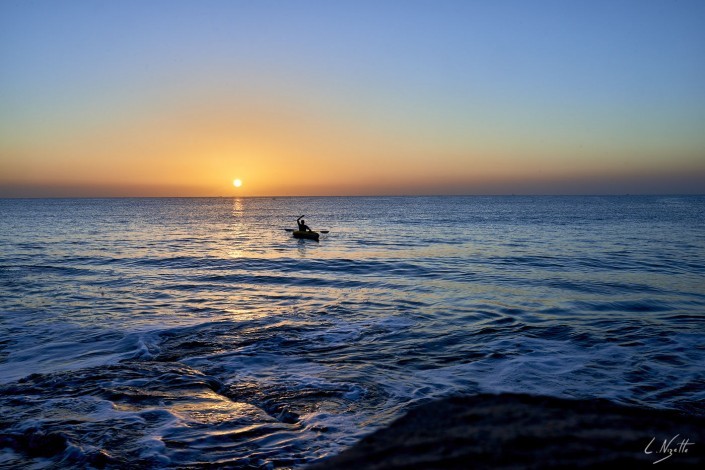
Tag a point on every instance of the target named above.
point(195, 332)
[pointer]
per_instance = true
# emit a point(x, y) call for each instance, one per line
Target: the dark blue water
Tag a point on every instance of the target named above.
point(187, 332)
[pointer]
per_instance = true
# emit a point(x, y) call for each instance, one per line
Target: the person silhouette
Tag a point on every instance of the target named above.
point(302, 225)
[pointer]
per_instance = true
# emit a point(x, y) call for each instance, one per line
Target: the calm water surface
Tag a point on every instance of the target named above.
point(189, 332)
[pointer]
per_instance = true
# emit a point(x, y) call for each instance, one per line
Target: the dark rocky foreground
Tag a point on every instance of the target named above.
point(523, 431)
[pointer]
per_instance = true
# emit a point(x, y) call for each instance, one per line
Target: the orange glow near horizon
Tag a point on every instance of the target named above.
point(285, 146)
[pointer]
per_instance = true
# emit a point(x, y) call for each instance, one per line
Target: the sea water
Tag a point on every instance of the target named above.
point(187, 332)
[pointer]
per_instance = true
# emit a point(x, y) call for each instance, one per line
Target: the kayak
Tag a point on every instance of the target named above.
point(306, 234)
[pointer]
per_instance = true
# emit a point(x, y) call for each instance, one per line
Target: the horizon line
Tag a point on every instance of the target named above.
point(365, 196)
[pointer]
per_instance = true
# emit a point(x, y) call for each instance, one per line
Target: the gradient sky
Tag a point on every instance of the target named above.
point(178, 98)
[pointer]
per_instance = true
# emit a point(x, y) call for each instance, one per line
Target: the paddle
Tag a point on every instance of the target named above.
point(293, 230)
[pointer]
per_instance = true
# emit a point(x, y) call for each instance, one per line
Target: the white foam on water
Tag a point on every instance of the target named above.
point(73, 349)
point(347, 332)
point(154, 449)
point(341, 430)
point(337, 421)
point(541, 367)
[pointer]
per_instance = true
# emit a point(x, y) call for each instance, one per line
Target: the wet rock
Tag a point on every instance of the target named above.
point(523, 431)
point(36, 443)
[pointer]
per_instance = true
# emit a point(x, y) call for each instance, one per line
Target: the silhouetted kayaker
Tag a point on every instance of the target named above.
point(302, 225)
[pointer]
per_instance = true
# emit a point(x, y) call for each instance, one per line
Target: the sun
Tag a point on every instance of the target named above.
point(237, 183)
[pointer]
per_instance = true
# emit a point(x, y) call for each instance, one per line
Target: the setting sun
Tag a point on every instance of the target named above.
point(237, 183)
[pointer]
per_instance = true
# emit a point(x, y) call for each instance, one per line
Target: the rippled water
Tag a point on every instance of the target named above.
point(188, 332)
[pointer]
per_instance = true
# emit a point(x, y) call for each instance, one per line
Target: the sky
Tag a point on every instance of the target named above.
point(179, 98)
